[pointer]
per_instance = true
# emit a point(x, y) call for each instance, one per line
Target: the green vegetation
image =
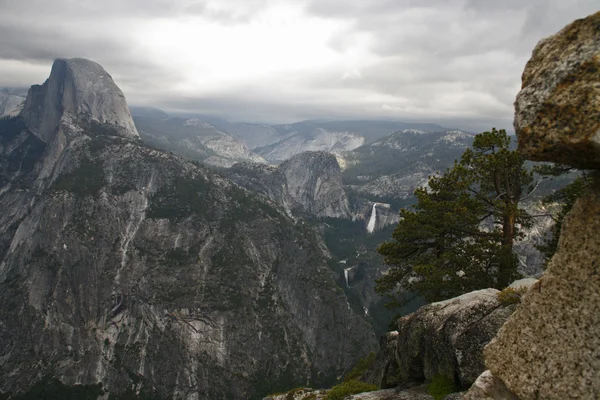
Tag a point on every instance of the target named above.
point(10, 128)
point(510, 295)
point(182, 198)
point(441, 386)
point(566, 197)
point(15, 165)
point(360, 368)
point(339, 392)
point(440, 248)
point(85, 180)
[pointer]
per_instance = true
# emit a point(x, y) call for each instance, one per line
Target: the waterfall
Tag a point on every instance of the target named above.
point(346, 275)
point(371, 224)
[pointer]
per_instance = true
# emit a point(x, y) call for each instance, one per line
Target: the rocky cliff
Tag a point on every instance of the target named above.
point(126, 266)
point(81, 90)
point(309, 182)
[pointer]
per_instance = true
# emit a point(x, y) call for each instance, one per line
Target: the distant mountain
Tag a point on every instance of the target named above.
point(191, 138)
point(334, 137)
point(392, 167)
point(11, 101)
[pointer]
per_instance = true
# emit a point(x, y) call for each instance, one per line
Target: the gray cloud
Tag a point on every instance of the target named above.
point(452, 61)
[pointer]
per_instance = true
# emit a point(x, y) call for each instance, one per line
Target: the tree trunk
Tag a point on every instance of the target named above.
point(508, 265)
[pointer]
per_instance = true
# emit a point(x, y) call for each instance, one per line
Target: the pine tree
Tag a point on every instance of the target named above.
point(459, 235)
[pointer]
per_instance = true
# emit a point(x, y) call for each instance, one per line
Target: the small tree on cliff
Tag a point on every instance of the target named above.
point(460, 234)
point(565, 197)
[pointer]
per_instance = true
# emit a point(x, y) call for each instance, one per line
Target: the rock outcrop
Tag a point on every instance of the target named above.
point(488, 387)
point(314, 180)
point(447, 338)
point(383, 372)
point(81, 90)
point(129, 267)
point(309, 182)
point(550, 347)
point(556, 112)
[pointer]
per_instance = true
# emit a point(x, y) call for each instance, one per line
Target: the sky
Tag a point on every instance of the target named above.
point(455, 62)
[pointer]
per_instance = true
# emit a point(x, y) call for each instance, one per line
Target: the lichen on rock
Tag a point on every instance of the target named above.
point(557, 112)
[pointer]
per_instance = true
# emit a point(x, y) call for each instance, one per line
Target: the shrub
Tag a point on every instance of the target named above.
point(510, 295)
point(339, 392)
point(441, 386)
point(360, 368)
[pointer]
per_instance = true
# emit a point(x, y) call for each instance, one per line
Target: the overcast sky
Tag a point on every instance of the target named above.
point(457, 62)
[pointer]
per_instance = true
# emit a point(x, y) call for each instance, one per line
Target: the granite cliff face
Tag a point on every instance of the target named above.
point(81, 90)
point(309, 182)
point(126, 266)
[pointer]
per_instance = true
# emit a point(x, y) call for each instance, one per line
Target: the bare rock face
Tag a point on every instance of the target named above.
point(550, 347)
point(384, 370)
point(310, 182)
point(557, 110)
point(81, 90)
point(314, 180)
point(488, 387)
point(447, 338)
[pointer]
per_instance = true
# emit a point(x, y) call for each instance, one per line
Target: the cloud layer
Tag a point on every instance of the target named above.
point(457, 62)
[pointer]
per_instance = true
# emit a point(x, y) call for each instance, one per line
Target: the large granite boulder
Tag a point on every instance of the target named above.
point(550, 347)
point(447, 338)
point(557, 110)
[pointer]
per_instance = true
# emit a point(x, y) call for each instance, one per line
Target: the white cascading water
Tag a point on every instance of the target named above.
point(346, 275)
point(371, 224)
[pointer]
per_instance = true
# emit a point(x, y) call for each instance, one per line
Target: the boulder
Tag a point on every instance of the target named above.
point(447, 338)
point(384, 370)
point(488, 387)
point(556, 111)
point(550, 347)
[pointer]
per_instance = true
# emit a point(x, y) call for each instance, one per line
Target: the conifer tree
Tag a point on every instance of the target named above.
point(459, 235)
